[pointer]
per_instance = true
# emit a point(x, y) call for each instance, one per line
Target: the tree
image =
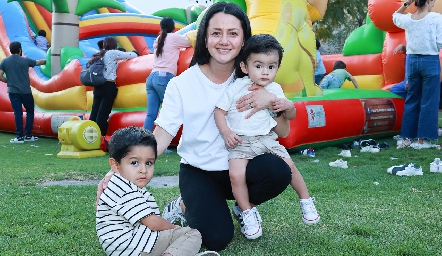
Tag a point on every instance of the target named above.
point(65, 22)
point(340, 19)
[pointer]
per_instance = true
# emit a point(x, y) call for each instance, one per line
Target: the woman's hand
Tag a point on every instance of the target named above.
point(258, 99)
point(102, 186)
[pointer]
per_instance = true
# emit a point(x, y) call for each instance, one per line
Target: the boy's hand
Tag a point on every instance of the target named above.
point(279, 105)
point(231, 139)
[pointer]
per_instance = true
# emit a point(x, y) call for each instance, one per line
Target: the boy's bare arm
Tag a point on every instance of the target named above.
point(231, 139)
point(156, 223)
point(355, 83)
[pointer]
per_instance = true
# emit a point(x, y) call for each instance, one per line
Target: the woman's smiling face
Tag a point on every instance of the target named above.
point(225, 38)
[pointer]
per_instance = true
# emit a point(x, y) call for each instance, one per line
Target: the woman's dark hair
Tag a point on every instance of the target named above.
point(167, 26)
point(42, 33)
point(339, 64)
point(201, 54)
point(261, 43)
point(420, 3)
point(318, 44)
point(110, 43)
point(15, 47)
point(124, 139)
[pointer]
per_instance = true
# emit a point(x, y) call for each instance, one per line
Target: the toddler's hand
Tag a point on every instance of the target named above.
point(232, 139)
point(279, 105)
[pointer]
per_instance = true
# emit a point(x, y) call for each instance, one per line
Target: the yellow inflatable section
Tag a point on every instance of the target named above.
point(290, 21)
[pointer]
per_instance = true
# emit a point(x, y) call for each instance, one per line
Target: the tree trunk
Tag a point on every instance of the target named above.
point(65, 32)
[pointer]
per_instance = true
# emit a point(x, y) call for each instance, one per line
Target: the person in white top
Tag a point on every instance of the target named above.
point(167, 50)
point(423, 34)
point(247, 138)
point(105, 94)
point(127, 216)
point(189, 102)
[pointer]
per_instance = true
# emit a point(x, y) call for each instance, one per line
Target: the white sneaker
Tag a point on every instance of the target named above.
point(309, 213)
point(345, 153)
point(405, 170)
point(425, 144)
point(370, 149)
point(173, 212)
point(403, 143)
point(251, 223)
point(436, 165)
point(339, 163)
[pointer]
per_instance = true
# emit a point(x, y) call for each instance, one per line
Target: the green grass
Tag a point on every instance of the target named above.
point(399, 216)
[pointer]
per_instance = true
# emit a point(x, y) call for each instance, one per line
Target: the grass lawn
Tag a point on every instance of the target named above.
point(364, 210)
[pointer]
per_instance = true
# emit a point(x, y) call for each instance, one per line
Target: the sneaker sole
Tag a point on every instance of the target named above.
point(311, 222)
point(254, 236)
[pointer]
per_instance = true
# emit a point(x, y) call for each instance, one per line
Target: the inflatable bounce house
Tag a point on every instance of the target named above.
point(323, 117)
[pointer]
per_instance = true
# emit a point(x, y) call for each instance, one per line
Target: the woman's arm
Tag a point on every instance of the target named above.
point(282, 127)
point(163, 139)
point(257, 100)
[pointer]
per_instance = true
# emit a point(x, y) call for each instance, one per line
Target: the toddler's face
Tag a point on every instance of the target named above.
point(261, 67)
point(137, 166)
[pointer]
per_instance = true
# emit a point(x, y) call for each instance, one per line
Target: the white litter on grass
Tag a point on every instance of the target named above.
point(376, 183)
point(315, 161)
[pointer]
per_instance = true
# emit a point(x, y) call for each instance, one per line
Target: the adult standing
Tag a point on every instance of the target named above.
point(16, 68)
point(105, 95)
point(320, 68)
point(423, 34)
point(167, 48)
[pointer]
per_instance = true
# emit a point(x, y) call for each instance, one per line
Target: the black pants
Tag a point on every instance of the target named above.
point(104, 97)
point(205, 193)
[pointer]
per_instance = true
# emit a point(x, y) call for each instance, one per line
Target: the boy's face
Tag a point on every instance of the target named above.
point(137, 166)
point(261, 67)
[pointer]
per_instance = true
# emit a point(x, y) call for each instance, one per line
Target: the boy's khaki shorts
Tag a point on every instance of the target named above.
point(253, 146)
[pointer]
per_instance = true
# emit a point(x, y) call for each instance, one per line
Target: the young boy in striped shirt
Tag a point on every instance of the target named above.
point(127, 218)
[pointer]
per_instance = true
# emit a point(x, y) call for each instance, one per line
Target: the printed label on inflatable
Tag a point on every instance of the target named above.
point(316, 116)
point(58, 120)
point(380, 115)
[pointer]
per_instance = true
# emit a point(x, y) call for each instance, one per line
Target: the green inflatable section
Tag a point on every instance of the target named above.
point(177, 14)
point(366, 39)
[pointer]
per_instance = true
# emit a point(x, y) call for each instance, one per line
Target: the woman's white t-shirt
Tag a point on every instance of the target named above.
point(190, 100)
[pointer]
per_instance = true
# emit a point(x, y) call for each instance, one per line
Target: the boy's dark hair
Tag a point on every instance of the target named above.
point(339, 64)
point(15, 47)
point(261, 43)
point(167, 25)
point(201, 54)
point(100, 44)
point(42, 33)
point(124, 139)
point(318, 44)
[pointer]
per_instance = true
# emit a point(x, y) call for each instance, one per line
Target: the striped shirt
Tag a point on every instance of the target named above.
point(121, 207)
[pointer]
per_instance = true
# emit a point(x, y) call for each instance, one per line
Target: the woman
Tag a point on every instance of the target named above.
point(190, 101)
point(105, 95)
point(423, 33)
point(167, 50)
